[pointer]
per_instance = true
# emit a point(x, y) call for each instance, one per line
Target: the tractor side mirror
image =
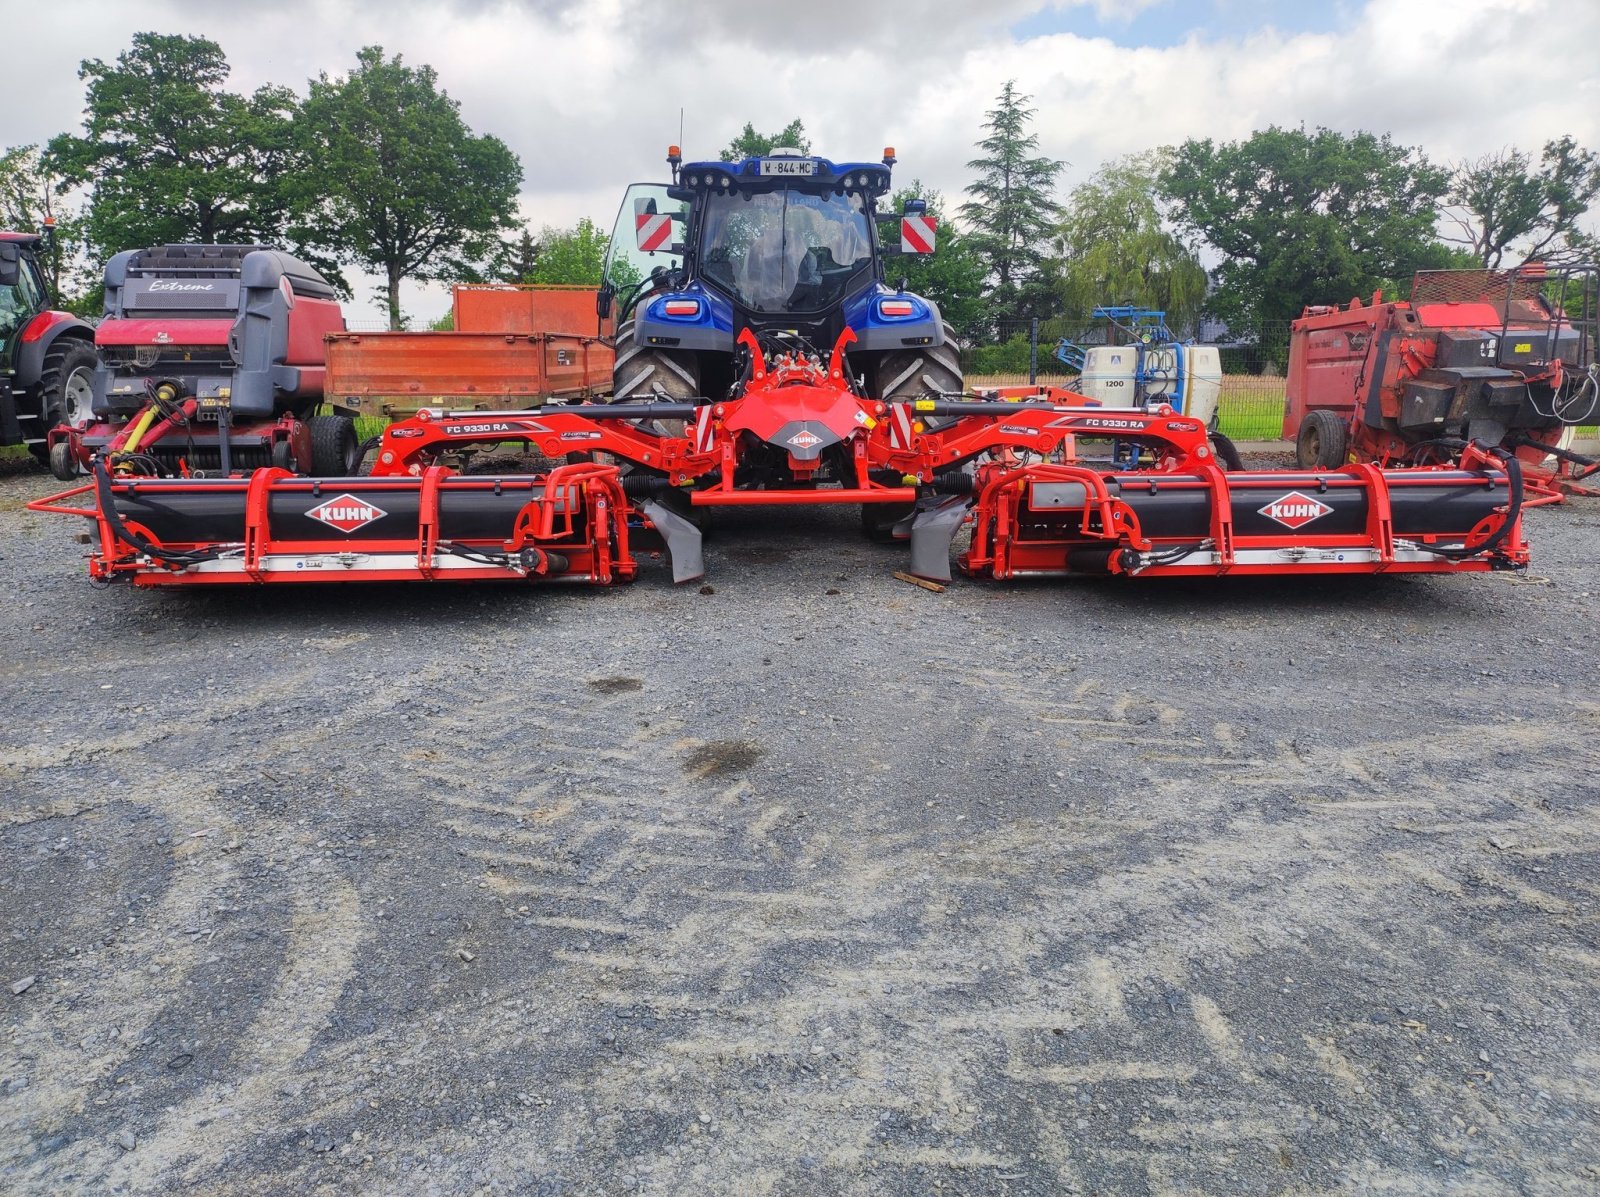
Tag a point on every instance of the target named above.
point(10, 263)
point(602, 300)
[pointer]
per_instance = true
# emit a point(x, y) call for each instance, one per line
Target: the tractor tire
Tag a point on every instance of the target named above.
point(66, 388)
point(908, 374)
point(642, 372)
point(335, 448)
point(1322, 441)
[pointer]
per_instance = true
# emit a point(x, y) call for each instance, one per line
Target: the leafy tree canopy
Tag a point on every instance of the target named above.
point(396, 181)
point(1305, 217)
point(170, 156)
point(29, 196)
point(750, 144)
point(574, 256)
point(1502, 204)
point(519, 258)
point(1116, 248)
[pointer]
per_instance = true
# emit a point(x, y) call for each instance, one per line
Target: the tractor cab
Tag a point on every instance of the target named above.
point(47, 357)
point(787, 245)
point(22, 287)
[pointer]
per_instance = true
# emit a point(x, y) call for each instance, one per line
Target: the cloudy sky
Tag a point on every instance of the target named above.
point(588, 92)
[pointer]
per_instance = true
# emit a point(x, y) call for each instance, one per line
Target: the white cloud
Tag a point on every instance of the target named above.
point(588, 94)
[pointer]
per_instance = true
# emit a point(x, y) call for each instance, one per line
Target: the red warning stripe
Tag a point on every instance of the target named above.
point(654, 230)
point(917, 234)
point(900, 428)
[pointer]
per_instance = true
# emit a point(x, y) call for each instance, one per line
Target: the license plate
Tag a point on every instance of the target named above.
point(788, 166)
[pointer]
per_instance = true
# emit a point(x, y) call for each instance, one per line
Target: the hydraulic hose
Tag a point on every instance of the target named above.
point(1513, 509)
point(365, 447)
point(125, 534)
point(1587, 465)
point(534, 561)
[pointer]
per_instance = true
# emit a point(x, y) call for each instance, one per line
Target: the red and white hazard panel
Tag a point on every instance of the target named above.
point(654, 230)
point(917, 234)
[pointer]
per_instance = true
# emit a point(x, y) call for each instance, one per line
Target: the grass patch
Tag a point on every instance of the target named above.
point(370, 426)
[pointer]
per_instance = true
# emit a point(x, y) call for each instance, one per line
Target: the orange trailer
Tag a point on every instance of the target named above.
point(512, 309)
point(513, 347)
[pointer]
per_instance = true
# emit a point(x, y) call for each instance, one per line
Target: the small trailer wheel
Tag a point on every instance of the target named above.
point(1322, 441)
point(335, 449)
point(62, 464)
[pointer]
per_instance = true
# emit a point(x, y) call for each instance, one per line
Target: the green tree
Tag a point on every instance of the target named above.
point(30, 197)
point(1502, 203)
point(1304, 218)
point(1117, 248)
point(574, 256)
point(520, 259)
point(1012, 211)
point(750, 144)
point(953, 276)
point(397, 182)
point(170, 156)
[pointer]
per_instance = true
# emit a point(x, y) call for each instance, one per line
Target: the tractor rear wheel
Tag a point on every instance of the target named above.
point(643, 372)
point(908, 374)
point(66, 388)
point(335, 448)
point(1322, 441)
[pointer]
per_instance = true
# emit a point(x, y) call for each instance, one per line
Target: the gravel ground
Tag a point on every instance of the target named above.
point(818, 883)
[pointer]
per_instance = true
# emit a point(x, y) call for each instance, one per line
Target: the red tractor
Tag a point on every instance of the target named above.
point(47, 358)
point(1505, 358)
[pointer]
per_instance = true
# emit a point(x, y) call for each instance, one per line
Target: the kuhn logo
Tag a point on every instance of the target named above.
point(182, 287)
point(346, 513)
point(805, 439)
point(1295, 510)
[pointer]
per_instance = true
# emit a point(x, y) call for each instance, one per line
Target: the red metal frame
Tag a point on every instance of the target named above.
point(1003, 546)
point(581, 516)
point(577, 527)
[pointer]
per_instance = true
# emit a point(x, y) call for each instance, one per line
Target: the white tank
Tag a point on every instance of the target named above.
point(1205, 382)
point(1110, 374)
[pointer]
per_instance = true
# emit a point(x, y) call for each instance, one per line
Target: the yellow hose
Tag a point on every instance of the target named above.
point(141, 425)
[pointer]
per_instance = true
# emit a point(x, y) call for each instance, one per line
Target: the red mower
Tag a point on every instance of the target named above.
point(1013, 465)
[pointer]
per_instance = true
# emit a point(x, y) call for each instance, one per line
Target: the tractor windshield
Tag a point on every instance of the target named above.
point(12, 311)
point(785, 251)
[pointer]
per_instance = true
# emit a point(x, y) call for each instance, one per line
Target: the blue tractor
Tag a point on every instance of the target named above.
point(787, 245)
